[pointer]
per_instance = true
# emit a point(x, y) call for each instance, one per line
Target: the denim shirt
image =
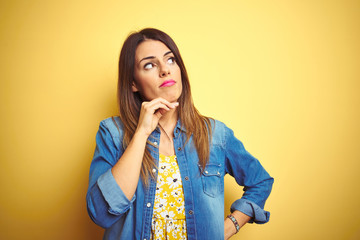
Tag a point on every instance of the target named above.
point(204, 193)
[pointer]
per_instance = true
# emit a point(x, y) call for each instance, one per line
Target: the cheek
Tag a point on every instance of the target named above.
point(177, 71)
point(146, 86)
point(179, 76)
point(142, 81)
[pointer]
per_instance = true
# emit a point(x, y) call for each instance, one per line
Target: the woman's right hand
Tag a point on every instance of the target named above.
point(151, 112)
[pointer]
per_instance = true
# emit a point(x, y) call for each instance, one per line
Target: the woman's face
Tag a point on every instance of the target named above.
point(156, 72)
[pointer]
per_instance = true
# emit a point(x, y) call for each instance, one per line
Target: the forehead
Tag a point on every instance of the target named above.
point(150, 48)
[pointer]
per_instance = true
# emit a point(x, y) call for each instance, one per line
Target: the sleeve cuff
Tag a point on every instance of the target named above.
point(257, 214)
point(113, 195)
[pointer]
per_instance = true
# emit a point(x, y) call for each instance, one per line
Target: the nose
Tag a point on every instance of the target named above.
point(164, 70)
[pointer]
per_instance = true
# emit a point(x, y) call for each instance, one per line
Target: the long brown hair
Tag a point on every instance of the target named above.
point(130, 102)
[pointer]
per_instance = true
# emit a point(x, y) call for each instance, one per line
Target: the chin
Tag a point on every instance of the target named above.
point(172, 98)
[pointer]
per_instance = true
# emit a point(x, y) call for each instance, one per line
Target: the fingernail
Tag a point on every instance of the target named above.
point(176, 104)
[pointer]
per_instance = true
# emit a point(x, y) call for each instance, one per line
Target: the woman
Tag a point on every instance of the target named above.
point(158, 169)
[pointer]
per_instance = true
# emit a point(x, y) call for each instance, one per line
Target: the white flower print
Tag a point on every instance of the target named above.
point(172, 204)
point(164, 166)
point(159, 188)
point(174, 181)
point(169, 212)
point(164, 169)
point(180, 209)
point(160, 185)
point(162, 202)
point(160, 231)
point(176, 193)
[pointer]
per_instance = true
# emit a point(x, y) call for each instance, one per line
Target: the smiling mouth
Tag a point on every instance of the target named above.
point(168, 83)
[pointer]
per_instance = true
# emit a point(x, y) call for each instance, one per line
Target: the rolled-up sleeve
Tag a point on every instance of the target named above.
point(257, 214)
point(106, 202)
point(113, 195)
point(248, 172)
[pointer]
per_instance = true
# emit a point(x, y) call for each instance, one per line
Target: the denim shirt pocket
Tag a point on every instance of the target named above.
point(211, 179)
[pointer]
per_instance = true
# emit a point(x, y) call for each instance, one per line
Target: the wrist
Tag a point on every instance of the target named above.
point(140, 133)
point(229, 228)
point(234, 222)
point(139, 137)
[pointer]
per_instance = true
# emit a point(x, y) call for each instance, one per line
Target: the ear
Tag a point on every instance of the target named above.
point(133, 87)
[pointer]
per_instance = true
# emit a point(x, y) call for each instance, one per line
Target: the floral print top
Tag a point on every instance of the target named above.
point(168, 221)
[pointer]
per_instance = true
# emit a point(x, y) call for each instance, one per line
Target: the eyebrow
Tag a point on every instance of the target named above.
point(152, 57)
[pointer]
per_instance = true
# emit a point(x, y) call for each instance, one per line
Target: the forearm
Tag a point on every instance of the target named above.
point(127, 170)
point(229, 227)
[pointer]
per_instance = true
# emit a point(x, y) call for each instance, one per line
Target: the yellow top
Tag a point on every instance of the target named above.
point(168, 221)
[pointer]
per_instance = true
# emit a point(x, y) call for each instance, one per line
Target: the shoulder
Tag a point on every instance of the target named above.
point(113, 125)
point(219, 132)
point(217, 125)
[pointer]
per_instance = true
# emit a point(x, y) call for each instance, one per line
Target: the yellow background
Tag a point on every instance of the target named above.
point(284, 75)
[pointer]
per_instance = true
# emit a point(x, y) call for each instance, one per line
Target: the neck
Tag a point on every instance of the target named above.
point(169, 119)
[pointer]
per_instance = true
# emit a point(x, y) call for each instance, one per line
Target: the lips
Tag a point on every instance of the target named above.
point(168, 83)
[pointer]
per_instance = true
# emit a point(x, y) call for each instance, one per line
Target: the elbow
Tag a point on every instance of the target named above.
point(97, 220)
point(259, 193)
point(106, 212)
point(267, 186)
point(100, 216)
point(101, 223)
point(270, 184)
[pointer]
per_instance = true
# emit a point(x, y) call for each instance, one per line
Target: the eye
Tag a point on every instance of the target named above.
point(171, 60)
point(148, 65)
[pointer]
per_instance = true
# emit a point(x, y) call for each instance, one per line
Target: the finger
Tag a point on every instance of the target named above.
point(155, 106)
point(175, 104)
point(156, 102)
point(160, 100)
point(164, 101)
point(160, 112)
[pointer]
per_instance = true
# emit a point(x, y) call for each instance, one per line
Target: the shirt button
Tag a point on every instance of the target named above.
point(206, 172)
point(155, 143)
point(218, 173)
point(148, 204)
point(191, 212)
point(179, 148)
point(186, 178)
point(154, 170)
